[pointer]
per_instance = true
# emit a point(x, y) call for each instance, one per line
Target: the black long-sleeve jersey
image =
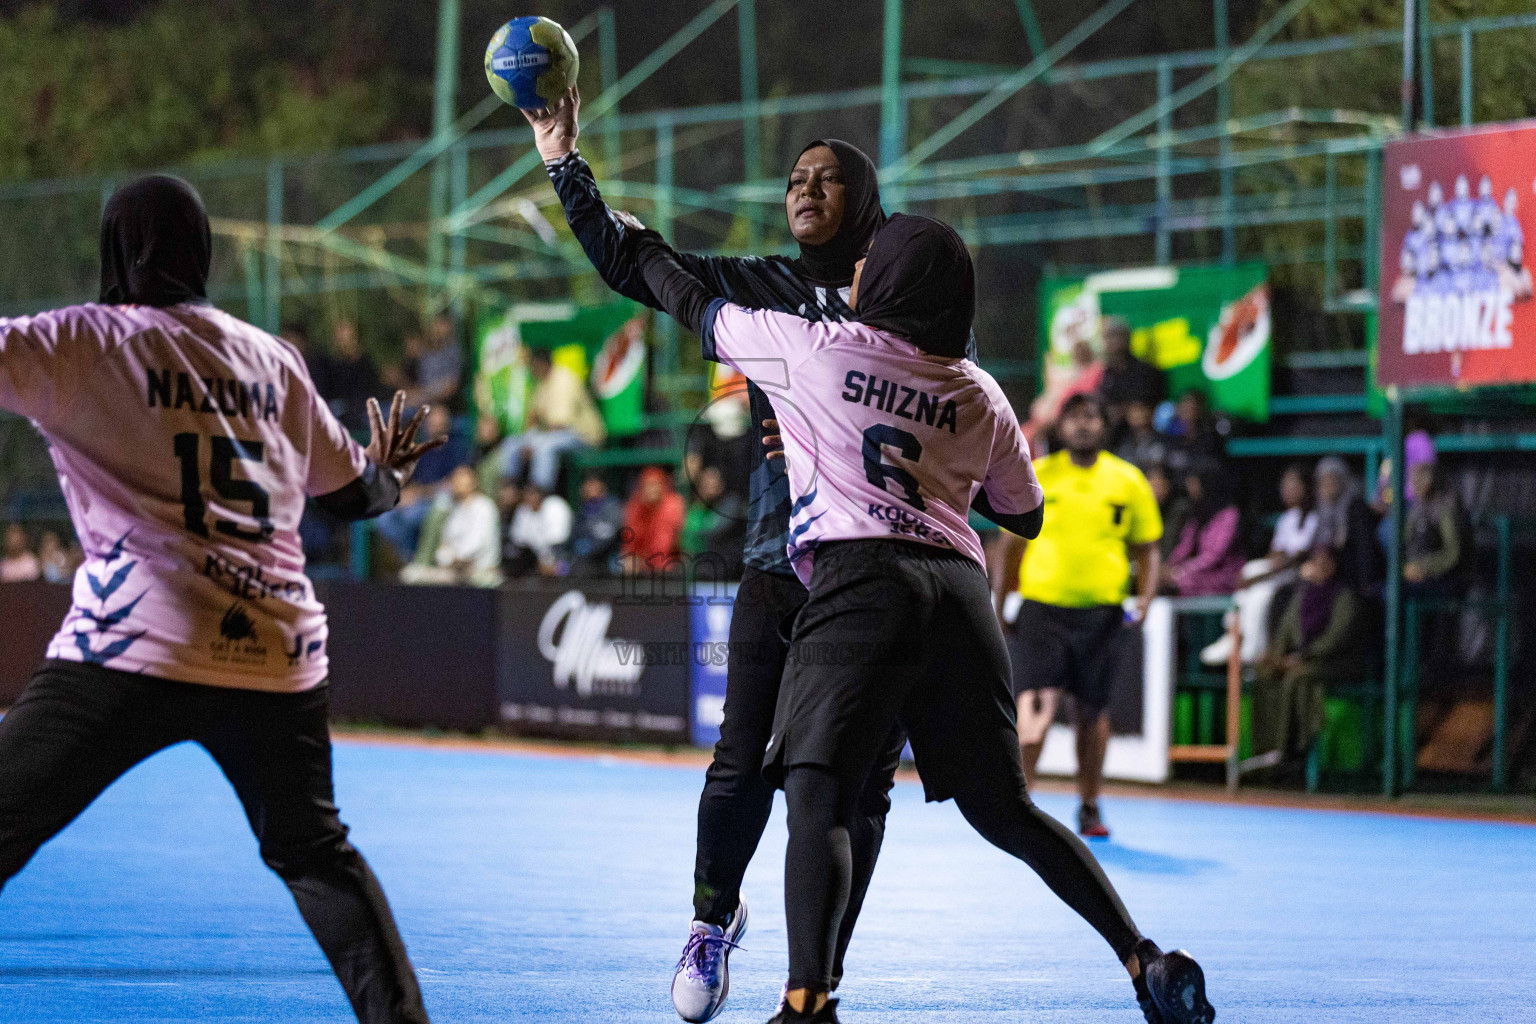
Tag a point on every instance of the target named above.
point(772, 282)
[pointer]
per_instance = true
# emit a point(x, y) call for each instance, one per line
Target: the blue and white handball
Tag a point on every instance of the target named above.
point(531, 62)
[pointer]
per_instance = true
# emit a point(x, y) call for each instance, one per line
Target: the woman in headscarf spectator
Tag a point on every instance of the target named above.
point(1318, 641)
point(1434, 535)
point(1344, 523)
point(1262, 578)
point(653, 521)
point(1208, 558)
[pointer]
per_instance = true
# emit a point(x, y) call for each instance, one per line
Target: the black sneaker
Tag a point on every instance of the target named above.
point(1171, 987)
point(1089, 824)
point(826, 1015)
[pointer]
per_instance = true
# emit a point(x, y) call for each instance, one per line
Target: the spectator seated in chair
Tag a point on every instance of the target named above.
point(463, 545)
point(1172, 506)
point(715, 526)
point(1262, 578)
point(428, 488)
point(653, 520)
point(1318, 641)
point(562, 417)
point(538, 536)
point(1208, 557)
point(19, 565)
point(57, 565)
point(595, 536)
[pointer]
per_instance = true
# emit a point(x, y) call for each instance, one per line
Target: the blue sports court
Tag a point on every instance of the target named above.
point(533, 887)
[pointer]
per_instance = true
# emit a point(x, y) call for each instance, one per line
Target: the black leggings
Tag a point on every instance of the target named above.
point(737, 799)
point(77, 728)
point(900, 633)
point(818, 865)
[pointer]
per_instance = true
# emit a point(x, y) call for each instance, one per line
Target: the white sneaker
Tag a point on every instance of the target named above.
point(703, 976)
point(1218, 652)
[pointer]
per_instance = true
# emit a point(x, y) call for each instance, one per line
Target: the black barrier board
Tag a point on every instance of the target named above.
point(413, 656)
point(31, 614)
point(590, 663)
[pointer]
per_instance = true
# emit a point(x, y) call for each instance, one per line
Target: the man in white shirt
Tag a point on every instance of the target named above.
point(469, 549)
point(540, 527)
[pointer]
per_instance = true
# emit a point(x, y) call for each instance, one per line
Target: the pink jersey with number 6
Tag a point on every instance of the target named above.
point(883, 440)
point(185, 441)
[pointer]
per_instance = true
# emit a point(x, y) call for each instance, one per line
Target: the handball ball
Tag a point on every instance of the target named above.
point(531, 62)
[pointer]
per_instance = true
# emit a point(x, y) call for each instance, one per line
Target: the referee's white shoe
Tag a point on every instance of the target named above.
point(703, 976)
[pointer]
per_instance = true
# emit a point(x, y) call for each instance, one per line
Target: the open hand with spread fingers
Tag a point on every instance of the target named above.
point(394, 447)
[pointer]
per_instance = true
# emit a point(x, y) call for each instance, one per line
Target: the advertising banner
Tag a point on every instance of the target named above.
point(711, 635)
point(1455, 304)
point(595, 664)
point(1208, 328)
point(605, 344)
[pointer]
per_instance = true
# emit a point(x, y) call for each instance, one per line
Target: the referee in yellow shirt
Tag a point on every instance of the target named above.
point(1100, 515)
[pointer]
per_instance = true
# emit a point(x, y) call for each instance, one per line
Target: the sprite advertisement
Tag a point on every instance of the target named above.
point(1208, 328)
point(604, 345)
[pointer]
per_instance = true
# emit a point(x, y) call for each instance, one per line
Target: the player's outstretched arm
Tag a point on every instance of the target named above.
point(607, 236)
point(392, 456)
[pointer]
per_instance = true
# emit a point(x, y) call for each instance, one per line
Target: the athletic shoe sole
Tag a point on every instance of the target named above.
point(1177, 985)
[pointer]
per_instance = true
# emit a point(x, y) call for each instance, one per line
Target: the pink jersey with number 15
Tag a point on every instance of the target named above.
point(883, 440)
point(185, 441)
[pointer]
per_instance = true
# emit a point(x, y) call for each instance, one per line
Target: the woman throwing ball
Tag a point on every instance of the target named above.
point(891, 435)
point(832, 203)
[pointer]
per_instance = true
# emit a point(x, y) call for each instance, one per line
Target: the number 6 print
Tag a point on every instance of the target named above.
point(877, 471)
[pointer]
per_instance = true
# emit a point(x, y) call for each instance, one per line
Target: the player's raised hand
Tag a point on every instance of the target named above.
point(394, 447)
point(555, 128)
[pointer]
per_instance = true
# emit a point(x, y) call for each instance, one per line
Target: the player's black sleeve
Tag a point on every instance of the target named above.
point(370, 495)
point(610, 243)
point(1025, 524)
point(677, 290)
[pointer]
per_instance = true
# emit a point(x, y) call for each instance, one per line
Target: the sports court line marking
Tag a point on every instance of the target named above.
point(690, 758)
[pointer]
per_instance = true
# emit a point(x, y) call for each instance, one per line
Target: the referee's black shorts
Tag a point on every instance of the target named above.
point(896, 631)
point(1079, 650)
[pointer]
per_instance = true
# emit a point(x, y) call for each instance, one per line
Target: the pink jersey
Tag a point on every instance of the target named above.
point(185, 441)
point(882, 440)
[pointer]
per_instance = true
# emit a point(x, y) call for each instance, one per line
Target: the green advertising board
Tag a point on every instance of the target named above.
point(1208, 328)
point(604, 345)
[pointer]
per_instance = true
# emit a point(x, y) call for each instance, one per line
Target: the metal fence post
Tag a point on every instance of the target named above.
point(1392, 448)
point(274, 254)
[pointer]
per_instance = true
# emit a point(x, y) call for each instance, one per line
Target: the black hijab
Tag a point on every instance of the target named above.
point(832, 262)
point(918, 283)
point(156, 247)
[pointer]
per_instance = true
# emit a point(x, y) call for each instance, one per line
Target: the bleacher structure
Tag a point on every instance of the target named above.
point(466, 218)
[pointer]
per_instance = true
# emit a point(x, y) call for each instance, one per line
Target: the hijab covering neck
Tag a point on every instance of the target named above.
point(156, 246)
point(1333, 517)
point(832, 262)
point(918, 283)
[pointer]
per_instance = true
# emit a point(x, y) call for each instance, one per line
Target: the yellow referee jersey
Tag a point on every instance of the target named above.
point(1080, 558)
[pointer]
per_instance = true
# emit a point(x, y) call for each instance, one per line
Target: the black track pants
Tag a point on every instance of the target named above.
point(77, 728)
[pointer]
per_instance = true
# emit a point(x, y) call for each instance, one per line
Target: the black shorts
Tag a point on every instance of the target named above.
point(1079, 650)
point(896, 632)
